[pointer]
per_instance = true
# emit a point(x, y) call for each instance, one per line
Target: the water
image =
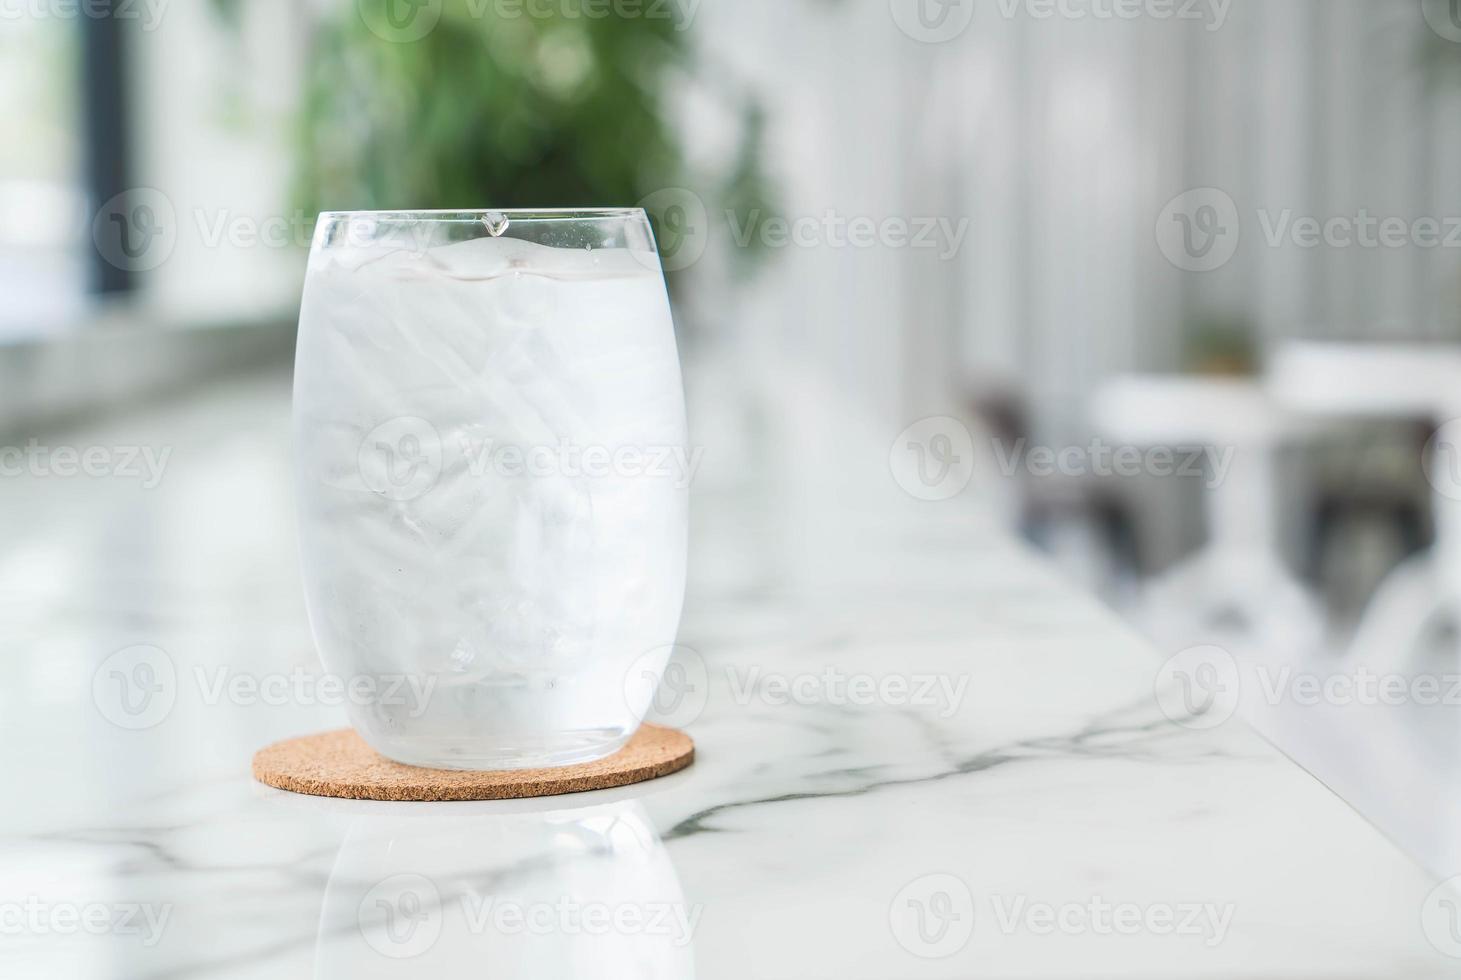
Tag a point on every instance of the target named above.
point(475, 529)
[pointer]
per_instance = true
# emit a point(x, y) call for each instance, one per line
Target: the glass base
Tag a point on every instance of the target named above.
point(479, 754)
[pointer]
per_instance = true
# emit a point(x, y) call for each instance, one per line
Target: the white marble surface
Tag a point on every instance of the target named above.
point(1041, 814)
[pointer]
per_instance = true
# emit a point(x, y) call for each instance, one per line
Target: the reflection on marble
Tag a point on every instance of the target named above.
point(1013, 818)
point(564, 893)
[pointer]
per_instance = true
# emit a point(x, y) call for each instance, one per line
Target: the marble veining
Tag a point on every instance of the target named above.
point(1032, 814)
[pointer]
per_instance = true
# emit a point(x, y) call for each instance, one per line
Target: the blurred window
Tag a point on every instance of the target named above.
point(42, 187)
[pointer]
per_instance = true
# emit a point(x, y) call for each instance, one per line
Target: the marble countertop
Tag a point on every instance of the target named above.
point(919, 755)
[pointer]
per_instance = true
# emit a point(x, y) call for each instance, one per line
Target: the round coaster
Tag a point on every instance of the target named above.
point(340, 764)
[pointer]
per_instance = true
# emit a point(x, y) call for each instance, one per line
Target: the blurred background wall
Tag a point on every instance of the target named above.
point(1058, 138)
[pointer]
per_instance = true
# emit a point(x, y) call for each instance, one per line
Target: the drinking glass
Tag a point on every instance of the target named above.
point(492, 478)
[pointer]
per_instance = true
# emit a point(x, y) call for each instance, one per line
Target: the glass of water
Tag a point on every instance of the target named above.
point(492, 478)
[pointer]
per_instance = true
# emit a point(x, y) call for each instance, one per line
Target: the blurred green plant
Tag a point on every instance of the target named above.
point(1222, 345)
point(1440, 71)
point(498, 107)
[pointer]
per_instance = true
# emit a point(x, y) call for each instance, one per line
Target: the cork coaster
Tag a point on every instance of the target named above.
point(340, 764)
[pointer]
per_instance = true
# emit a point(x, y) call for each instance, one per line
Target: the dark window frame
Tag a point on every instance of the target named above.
point(107, 144)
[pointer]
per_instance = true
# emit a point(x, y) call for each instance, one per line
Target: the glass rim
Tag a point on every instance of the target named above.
point(513, 215)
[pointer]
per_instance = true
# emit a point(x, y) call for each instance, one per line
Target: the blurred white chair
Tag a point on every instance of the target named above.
point(1236, 590)
point(1400, 381)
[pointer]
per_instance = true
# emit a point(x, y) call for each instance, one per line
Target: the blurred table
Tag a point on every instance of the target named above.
point(1337, 382)
point(1237, 587)
point(1031, 812)
point(1367, 380)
